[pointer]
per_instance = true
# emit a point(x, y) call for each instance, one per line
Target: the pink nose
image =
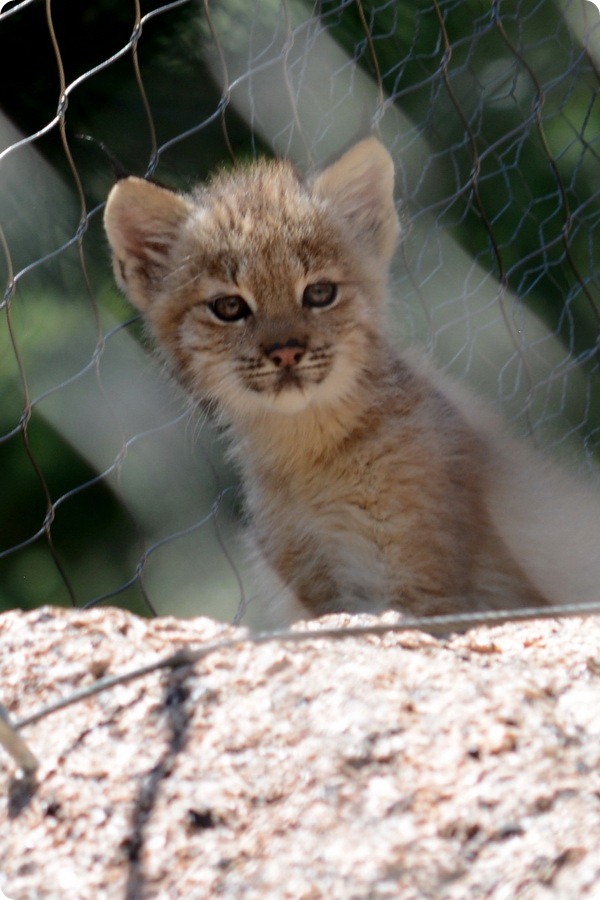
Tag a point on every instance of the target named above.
point(286, 355)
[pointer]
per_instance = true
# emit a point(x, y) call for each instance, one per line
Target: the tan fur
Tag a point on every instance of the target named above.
point(368, 484)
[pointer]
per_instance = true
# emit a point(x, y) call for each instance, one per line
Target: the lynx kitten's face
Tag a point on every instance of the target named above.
point(274, 309)
point(264, 291)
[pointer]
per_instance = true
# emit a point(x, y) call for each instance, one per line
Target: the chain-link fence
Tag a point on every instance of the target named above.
point(110, 491)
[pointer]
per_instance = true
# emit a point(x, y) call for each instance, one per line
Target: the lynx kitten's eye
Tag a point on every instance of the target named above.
point(230, 309)
point(319, 295)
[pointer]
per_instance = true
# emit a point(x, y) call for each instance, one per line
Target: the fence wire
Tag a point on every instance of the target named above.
point(111, 492)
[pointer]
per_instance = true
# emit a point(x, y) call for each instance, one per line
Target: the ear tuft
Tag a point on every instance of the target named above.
point(142, 223)
point(360, 187)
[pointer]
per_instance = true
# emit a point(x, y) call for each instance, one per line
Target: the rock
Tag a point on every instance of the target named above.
point(383, 766)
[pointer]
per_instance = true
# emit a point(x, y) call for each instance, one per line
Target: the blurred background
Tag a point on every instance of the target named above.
point(111, 490)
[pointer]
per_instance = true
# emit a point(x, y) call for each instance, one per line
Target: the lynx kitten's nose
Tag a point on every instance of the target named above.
point(286, 355)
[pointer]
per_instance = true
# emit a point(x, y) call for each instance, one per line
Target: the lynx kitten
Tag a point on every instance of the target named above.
point(368, 484)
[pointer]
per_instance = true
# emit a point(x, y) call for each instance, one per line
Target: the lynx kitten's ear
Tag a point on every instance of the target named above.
point(360, 186)
point(142, 222)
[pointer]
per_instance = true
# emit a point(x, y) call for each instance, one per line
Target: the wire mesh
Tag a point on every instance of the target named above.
point(111, 491)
